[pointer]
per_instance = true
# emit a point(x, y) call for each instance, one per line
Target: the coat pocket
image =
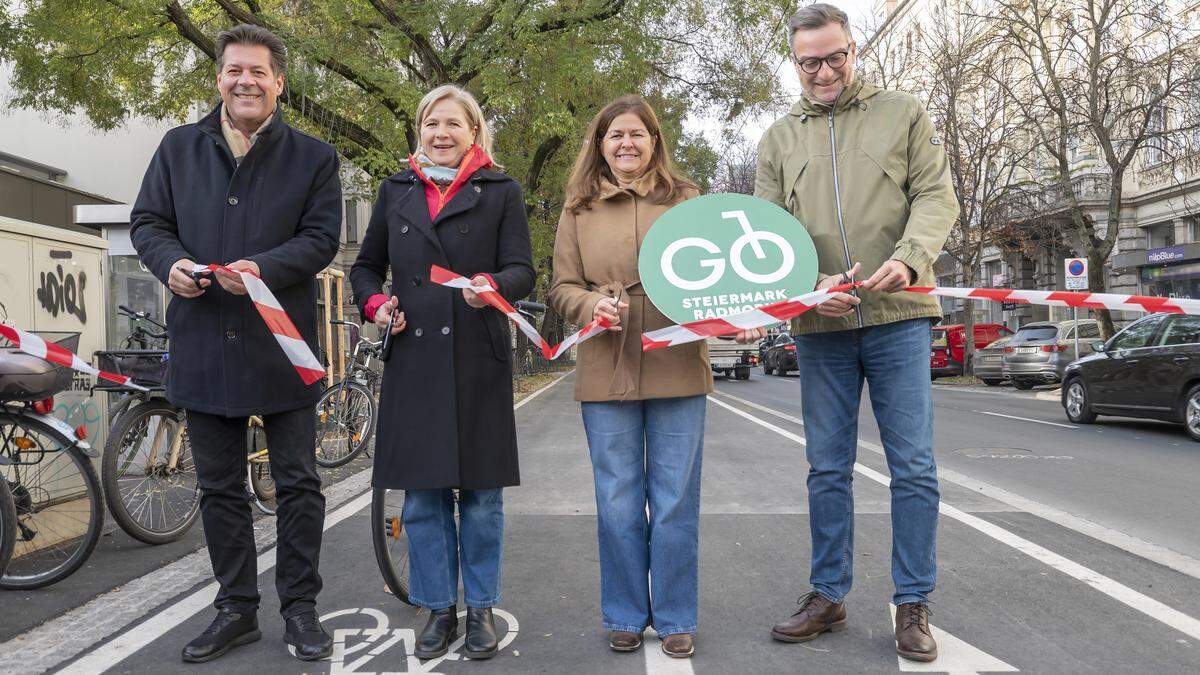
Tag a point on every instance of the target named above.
point(498, 334)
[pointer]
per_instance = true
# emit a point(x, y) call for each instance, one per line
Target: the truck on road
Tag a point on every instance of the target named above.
point(728, 358)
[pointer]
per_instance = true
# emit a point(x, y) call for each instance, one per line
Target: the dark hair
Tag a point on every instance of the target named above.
point(247, 34)
point(583, 187)
point(817, 15)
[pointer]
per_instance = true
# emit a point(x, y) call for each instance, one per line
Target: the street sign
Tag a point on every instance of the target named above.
point(721, 254)
point(1009, 306)
point(1076, 274)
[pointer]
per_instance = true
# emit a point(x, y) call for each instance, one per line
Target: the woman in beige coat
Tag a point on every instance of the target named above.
point(643, 413)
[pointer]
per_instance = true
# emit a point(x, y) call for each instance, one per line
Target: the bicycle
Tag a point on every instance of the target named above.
point(47, 468)
point(148, 473)
point(260, 491)
point(347, 411)
point(387, 517)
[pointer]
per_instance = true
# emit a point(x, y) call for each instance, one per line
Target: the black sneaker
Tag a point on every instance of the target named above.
point(230, 629)
point(304, 632)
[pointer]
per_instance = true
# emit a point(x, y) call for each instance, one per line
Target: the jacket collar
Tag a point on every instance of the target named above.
point(854, 95)
point(642, 187)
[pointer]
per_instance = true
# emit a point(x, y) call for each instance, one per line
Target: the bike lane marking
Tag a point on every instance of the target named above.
point(44, 648)
point(1114, 589)
point(1182, 563)
point(1026, 419)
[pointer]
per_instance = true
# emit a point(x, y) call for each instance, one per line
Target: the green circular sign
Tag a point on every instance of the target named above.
point(721, 254)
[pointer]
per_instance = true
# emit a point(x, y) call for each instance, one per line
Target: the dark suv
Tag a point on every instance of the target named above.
point(1150, 369)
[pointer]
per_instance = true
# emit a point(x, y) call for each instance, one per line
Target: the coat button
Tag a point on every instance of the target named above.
point(445, 330)
point(404, 230)
point(464, 228)
point(233, 201)
point(416, 281)
point(478, 189)
point(231, 335)
point(418, 332)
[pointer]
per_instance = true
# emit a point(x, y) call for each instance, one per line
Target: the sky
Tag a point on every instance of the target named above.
point(751, 129)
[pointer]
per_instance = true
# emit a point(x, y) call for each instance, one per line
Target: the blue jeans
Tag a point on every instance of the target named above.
point(437, 548)
point(647, 454)
point(894, 361)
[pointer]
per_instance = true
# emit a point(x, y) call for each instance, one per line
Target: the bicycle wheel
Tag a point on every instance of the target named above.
point(150, 486)
point(8, 524)
point(258, 470)
point(389, 540)
point(57, 497)
point(346, 415)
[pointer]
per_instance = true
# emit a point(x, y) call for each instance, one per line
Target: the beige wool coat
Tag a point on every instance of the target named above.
point(596, 256)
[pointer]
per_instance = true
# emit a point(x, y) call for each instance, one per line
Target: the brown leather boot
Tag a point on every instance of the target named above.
point(624, 641)
point(914, 641)
point(679, 645)
point(816, 615)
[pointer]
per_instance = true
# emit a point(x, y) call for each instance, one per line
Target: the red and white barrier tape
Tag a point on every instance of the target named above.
point(445, 277)
point(36, 346)
point(768, 315)
point(289, 339)
point(759, 317)
point(1133, 303)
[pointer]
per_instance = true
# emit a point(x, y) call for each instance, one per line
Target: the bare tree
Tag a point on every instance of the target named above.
point(735, 168)
point(1111, 74)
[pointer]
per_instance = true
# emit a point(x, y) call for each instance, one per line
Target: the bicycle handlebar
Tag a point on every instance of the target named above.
point(141, 316)
point(529, 306)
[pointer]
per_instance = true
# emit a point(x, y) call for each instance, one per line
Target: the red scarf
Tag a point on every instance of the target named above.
point(436, 197)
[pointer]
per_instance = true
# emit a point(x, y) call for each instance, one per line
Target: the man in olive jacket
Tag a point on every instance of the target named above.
point(241, 188)
point(863, 169)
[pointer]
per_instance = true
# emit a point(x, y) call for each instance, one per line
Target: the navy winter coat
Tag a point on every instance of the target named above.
point(281, 208)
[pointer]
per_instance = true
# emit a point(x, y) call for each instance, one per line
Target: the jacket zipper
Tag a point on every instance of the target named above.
point(837, 200)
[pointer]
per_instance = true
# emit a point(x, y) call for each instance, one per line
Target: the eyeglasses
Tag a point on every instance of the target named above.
point(813, 65)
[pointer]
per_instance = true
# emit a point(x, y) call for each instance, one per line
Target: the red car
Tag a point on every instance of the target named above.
point(950, 346)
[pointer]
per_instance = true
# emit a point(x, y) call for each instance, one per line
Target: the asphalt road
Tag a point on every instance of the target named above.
point(1060, 550)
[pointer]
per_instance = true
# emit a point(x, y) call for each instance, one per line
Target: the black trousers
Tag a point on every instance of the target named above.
point(219, 448)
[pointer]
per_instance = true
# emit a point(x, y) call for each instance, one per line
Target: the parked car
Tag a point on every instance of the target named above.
point(780, 357)
point(1039, 352)
point(988, 364)
point(949, 346)
point(1150, 369)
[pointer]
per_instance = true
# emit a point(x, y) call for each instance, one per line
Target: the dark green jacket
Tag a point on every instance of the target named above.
point(898, 201)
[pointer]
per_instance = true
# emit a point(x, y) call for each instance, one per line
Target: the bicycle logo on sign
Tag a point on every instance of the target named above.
point(750, 237)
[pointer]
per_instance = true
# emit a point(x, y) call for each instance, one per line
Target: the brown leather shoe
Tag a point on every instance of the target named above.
point(914, 641)
point(679, 645)
point(816, 615)
point(624, 641)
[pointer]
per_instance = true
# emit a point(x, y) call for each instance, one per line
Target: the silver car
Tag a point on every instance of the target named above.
point(988, 364)
point(1039, 352)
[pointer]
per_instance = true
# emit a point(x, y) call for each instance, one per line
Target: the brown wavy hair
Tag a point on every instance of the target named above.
point(583, 187)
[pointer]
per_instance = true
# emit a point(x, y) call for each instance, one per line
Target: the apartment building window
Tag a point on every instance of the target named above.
point(1156, 145)
point(1158, 236)
point(351, 221)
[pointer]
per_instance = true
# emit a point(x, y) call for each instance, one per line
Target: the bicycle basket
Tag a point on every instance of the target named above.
point(24, 377)
point(147, 367)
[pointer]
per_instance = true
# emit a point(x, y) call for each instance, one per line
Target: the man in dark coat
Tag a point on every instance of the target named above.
point(243, 189)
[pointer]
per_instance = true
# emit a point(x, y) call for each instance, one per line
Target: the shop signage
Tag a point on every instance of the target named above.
point(1165, 254)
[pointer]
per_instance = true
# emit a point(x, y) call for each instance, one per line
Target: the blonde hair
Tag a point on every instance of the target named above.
point(483, 135)
point(583, 187)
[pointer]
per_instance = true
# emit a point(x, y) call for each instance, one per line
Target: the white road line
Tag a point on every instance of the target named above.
point(157, 625)
point(537, 393)
point(1162, 555)
point(1025, 419)
point(762, 408)
point(1114, 589)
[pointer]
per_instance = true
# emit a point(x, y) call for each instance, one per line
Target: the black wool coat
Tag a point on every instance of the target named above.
point(446, 416)
point(281, 208)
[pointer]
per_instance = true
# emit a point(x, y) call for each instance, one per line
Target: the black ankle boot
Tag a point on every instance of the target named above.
point(304, 632)
point(481, 633)
point(228, 630)
point(441, 630)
